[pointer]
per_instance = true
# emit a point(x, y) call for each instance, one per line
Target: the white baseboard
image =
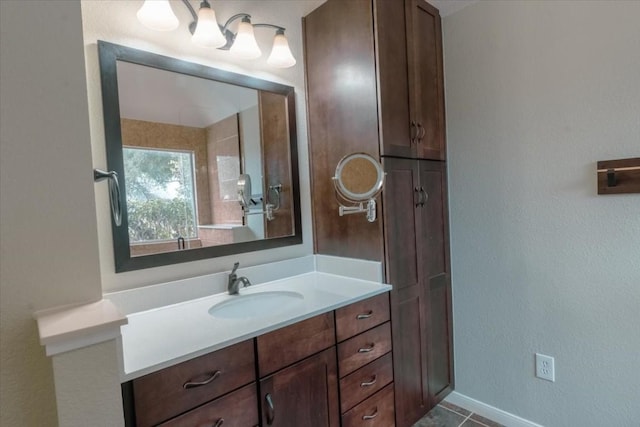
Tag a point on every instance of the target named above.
point(488, 411)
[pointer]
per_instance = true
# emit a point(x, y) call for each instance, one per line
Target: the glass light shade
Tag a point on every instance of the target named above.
point(157, 15)
point(245, 45)
point(281, 55)
point(207, 33)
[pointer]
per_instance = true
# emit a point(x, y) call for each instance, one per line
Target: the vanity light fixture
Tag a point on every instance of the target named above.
point(158, 15)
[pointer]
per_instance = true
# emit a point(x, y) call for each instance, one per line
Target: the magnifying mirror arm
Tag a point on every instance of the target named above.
point(369, 209)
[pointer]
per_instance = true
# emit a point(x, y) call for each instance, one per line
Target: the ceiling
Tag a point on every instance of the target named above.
point(447, 7)
point(160, 96)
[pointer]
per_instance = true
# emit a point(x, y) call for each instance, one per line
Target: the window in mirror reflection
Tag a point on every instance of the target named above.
point(161, 200)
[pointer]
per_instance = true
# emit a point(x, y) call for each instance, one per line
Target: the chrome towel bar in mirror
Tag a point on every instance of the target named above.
point(114, 193)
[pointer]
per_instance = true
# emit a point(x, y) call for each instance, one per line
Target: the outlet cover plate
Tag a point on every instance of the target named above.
point(545, 367)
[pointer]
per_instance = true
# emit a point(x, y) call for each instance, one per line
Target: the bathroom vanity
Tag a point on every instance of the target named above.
point(286, 377)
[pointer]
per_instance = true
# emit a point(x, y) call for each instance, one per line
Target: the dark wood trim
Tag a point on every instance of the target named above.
point(108, 54)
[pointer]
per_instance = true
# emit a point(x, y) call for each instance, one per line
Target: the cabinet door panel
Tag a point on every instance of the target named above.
point(409, 355)
point(424, 40)
point(435, 279)
point(439, 338)
point(400, 220)
point(304, 394)
point(393, 83)
point(432, 248)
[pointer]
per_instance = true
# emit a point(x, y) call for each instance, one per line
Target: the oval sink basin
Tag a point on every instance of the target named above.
point(259, 304)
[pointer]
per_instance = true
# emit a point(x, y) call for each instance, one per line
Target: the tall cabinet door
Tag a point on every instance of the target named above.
point(397, 136)
point(408, 305)
point(433, 252)
point(426, 80)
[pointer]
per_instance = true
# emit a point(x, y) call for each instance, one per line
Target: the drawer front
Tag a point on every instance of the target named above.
point(288, 345)
point(376, 411)
point(361, 315)
point(237, 409)
point(172, 391)
point(364, 348)
point(359, 385)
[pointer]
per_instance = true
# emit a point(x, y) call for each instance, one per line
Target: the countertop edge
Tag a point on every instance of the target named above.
point(80, 326)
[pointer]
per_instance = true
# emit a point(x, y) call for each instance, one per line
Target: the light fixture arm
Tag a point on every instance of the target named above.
point(280, 30)
point(194, 15)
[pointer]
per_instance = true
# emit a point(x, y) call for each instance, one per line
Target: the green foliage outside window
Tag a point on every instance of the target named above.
point(160, 194)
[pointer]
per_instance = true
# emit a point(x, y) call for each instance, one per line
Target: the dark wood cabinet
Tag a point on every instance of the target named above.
point(375, 85)
point(304, 394)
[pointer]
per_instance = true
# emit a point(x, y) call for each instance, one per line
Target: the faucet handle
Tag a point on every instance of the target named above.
point(235, 267)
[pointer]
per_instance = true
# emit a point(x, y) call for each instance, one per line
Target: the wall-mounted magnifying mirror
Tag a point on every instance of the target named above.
point(181, 137)
point(359, 178)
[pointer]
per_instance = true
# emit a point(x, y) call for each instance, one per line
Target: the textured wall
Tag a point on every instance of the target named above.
point(115, 21)
point(536, 93)
point(48, 237)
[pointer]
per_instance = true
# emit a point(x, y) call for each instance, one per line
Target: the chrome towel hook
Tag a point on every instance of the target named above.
point(114, 192)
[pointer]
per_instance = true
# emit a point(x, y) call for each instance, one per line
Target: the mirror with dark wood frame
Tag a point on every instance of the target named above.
point(187, 142)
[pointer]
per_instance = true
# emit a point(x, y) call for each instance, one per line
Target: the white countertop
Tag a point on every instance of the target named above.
point(161, 337)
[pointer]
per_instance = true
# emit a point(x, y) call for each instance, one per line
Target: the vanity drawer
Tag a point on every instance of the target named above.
point(364, 348)
point(361, 315)
point(359, 385)
point(376, 411)
point(290, 344)
point(237, 409)
point(174, 390)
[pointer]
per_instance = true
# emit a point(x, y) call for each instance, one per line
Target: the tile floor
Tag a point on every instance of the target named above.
point(449, 415)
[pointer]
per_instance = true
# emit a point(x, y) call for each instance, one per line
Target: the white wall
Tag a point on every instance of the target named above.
point(115, 21)
point(536, 93)
point(48, 250)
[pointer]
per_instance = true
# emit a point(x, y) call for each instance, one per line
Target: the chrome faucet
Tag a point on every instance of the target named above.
point(234, 281)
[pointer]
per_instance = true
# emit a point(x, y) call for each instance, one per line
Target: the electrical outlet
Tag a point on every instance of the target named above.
point(545, 367)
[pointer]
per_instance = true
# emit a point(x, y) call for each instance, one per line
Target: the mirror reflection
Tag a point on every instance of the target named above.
point(189, 145)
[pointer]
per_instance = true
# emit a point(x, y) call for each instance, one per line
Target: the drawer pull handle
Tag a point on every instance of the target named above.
point(193, 384)
point(366, 349)
point(372, 416)
point(369, 383)
point(219, 422)
point(365, 315)
point(271, 410)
